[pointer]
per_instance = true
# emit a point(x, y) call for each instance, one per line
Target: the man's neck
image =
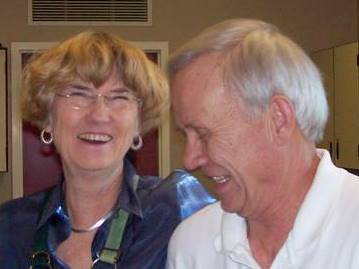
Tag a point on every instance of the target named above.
point(267, 233)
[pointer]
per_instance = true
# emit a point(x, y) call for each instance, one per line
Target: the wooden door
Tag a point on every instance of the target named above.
point(346, 105)
point(324, 59)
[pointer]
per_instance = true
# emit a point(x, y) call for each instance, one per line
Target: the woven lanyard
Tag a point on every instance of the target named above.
point(111, 251)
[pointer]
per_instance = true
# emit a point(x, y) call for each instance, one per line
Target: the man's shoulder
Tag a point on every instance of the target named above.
point(192, 245)
point(202, 225)
point(212, 213)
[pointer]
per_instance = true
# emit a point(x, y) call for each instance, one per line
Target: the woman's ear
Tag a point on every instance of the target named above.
point(48, 125)
point(48, 128)
point(282, 117)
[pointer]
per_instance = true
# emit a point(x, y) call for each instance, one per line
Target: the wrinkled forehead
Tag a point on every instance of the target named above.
point(200, 78)
point(198, 87)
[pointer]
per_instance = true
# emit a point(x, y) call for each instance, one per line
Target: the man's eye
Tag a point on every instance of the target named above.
point(202, 135)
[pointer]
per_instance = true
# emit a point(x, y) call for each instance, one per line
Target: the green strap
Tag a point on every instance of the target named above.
point(109, 254)
point(111, 251)
point(40, 257)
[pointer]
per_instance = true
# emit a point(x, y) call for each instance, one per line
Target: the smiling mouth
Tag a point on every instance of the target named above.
point(95, 138)
point(220, 179)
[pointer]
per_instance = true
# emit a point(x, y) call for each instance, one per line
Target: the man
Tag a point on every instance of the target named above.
point(251, 105)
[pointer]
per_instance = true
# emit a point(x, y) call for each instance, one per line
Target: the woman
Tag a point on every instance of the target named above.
point(93, 96)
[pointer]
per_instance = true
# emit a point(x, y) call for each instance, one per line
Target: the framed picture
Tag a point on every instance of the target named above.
point(34, 164)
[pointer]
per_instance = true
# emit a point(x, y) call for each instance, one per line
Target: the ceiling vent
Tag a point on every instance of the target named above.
point(90, 12)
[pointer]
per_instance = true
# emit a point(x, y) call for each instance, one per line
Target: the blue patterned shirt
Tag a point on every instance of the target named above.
point(155, 207)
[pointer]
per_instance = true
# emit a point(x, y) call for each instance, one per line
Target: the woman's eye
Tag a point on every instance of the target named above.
point(74, 91)
point(78, 94)
point(120, 97)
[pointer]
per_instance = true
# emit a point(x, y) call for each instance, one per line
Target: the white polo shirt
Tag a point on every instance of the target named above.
point(325, 233)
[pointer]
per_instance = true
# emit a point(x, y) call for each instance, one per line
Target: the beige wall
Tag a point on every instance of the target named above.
point(314, 24)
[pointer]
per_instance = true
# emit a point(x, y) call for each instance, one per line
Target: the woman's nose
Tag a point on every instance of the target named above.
point(100, 110)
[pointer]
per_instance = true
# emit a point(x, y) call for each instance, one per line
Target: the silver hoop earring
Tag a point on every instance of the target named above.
point(137, 143)
point(46, 137)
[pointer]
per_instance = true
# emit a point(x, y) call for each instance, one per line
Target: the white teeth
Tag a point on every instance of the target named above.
point(95, 137)
point(220, 179)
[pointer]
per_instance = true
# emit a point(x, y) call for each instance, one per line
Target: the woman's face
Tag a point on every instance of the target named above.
point(93, 133)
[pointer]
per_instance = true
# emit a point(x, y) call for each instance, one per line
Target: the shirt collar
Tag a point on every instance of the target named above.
point(233, 233)
point(232, 240)
point(309, 224)
point(127, 198)
point(312, 216)
point(317, 206)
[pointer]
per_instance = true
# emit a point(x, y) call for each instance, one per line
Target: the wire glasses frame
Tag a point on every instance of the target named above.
point(118, 100)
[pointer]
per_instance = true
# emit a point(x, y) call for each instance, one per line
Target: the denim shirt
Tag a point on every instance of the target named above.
point(155, 207)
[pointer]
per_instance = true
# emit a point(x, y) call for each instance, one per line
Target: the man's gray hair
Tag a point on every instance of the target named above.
point(260, 62)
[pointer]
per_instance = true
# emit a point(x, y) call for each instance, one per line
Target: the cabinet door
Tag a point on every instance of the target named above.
point(346, 105)
point(324, 60)
point(3, 160)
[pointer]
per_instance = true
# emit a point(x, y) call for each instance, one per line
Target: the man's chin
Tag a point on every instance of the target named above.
point(226, 206)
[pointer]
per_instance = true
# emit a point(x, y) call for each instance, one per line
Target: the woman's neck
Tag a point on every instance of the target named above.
point(89, 196)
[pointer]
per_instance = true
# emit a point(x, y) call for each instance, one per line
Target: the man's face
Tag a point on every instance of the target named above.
point(220, 139)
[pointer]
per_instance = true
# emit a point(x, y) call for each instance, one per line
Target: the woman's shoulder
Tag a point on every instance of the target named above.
point(23, 210)
point(180, 191)
point(18, 220)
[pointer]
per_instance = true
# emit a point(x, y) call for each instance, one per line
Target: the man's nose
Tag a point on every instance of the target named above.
point(194, 155)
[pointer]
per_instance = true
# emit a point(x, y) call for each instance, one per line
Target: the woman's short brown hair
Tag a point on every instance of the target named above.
point(91, 56)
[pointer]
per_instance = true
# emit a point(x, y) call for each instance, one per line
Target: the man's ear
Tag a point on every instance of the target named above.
point(282, 117)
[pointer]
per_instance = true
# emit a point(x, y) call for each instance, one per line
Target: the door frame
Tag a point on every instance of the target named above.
point(17, 49)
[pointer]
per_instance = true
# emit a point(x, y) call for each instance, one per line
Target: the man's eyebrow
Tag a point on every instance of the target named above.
point(182, 129)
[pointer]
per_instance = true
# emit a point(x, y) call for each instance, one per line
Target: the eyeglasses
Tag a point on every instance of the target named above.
point(118, 100)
